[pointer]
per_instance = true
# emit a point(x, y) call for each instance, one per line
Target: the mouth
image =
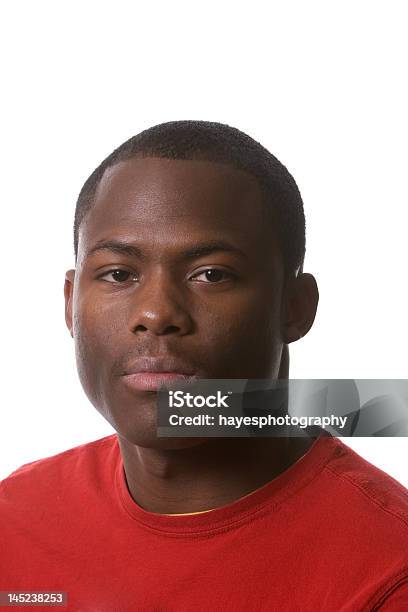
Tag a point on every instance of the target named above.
point(153, 381)
point(151, 374)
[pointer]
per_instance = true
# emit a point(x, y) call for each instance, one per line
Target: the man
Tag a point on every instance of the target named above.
point(189, 244)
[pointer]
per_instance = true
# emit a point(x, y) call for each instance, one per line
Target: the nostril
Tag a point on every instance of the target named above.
point(170, 329)
point(140, 328)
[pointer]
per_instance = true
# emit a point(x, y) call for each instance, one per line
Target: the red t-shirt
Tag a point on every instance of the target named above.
point(329, 534)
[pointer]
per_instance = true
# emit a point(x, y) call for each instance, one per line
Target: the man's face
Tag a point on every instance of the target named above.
point(202, 289)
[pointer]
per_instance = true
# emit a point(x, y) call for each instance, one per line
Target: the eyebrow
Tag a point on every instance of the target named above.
point(131, 250)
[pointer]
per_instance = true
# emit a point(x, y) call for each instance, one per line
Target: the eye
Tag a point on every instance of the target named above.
point(118, 275)
point(212, 275)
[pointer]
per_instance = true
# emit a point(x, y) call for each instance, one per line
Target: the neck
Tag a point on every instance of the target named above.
point(209, 475)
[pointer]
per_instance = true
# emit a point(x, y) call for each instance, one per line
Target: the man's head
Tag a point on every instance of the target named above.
point(188, 242)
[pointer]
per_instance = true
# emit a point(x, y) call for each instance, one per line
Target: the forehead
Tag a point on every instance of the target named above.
point(160, 200)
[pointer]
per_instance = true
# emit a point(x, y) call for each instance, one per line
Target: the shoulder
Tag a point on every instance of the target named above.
point(34, 479)
point(374, 489)
point(48, 504)
point(363, 515)
point(394, 599)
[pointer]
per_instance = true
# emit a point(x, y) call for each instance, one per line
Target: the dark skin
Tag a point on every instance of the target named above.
point(185, 217)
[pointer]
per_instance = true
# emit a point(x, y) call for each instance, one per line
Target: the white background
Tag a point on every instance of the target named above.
point(321, 84)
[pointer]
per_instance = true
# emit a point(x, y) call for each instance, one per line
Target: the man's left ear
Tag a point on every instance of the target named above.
point(300, 306)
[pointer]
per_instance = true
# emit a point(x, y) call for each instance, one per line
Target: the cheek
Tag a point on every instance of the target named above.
point(96, 337)
point(97, 326)
point(244, 340)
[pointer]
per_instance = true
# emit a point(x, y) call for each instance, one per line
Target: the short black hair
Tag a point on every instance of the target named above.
point(217, 142)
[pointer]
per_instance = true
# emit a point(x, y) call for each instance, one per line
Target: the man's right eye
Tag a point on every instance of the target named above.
point(118, 276)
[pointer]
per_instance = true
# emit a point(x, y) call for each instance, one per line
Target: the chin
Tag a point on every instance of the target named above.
point(140, 429)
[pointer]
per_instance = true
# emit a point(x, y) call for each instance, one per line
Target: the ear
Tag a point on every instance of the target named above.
point(68, 293)
point(301, 299)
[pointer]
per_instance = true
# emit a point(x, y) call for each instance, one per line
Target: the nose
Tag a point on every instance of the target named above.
point(159, 308)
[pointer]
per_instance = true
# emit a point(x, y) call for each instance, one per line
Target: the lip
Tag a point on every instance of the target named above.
point(152, 381)
point(151, 373)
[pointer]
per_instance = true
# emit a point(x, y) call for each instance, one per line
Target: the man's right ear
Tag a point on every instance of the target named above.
point(69, 294)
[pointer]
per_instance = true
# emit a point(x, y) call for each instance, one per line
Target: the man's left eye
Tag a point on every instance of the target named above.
point(212, 275)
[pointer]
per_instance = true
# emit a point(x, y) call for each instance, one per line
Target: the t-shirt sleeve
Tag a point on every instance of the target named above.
point(397, 600)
